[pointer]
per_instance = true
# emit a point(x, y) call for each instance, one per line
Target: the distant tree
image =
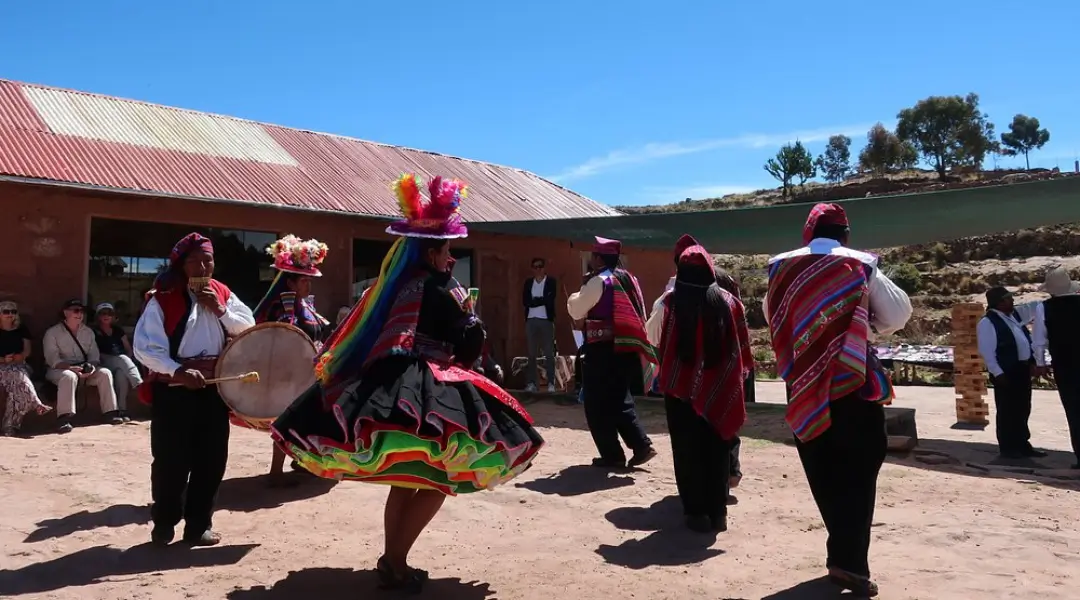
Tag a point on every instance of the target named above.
point(885, 152)
point(1023, 136)
point(791, 161)
point(835, 162)
point(948, 131)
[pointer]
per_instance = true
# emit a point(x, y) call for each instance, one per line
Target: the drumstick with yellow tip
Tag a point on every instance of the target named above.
point(252, 377)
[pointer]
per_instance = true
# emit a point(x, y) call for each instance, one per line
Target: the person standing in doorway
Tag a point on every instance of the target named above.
point(1057, 328)
point(538, 297)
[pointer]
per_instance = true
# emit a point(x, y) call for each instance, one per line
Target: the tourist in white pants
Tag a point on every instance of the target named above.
point(115, 348)
point(72, 356)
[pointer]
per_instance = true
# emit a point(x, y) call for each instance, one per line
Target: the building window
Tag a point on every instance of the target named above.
point(368, 256)
point(463, 268)
point(126, 256)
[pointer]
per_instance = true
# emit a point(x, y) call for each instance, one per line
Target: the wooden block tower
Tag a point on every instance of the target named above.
point(968, 366)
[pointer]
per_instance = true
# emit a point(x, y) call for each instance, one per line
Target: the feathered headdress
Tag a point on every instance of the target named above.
point(437, 217)
point(293, 255)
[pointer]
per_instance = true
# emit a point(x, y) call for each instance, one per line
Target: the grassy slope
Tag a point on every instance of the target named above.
point(938, 275)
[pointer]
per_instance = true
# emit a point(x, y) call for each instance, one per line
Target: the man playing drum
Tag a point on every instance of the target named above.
point(182, 330)
point(287, 302)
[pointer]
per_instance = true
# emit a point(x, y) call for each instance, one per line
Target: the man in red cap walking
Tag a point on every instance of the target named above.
point(616, 352)
point(821, 302)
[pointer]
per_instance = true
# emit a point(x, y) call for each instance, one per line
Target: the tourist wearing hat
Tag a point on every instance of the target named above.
point(73, 357)
point(1006, 348)
point(617, 356)
point(1057, 329)
point(822, 301)
point(116, 354)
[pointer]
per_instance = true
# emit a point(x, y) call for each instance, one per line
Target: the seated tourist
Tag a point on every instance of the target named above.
point(15, 385)
point(72, 355)
point(115, 348)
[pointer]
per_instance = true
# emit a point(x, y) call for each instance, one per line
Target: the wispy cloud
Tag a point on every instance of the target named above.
point(660, 150)
point(670, 194)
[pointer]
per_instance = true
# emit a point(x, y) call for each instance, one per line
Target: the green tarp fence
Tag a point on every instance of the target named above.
point(876, 222)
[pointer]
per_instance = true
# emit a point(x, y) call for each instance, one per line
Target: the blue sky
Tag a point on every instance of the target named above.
point(627, 102)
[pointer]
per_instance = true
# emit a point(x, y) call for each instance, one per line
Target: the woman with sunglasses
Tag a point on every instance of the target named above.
point(18, 390)
point(115, 348)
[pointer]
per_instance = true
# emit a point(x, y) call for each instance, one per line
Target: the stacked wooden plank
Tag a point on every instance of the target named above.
point(968, 366)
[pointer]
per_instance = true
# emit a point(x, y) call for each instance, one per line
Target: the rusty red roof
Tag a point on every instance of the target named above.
point(74, 137)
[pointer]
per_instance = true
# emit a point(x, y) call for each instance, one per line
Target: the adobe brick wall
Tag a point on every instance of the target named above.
point(46, 230)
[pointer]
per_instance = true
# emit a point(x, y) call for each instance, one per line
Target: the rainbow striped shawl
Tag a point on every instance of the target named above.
point(819, 323)
point(628, 325)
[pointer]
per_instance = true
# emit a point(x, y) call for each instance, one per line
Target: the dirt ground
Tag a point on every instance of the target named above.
point(76, 523)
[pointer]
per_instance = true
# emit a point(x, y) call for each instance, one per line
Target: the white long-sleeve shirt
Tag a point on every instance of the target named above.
point(987, 336)
point(202, 336)
point(890, 306)
point(581, 302)
point(654, 326)
point(1040, 339)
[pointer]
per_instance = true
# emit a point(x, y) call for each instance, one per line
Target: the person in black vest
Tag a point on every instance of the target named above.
point(1005, 346)
point(538, 298)
point(1057, 328)
point(184, 326)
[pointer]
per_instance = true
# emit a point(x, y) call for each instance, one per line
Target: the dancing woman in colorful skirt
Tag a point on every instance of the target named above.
point(395, 402)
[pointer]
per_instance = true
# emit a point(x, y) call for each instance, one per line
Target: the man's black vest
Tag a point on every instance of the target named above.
point(1008, 355)
point(1063, 329)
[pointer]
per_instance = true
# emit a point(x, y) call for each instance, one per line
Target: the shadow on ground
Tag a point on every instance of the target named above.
point(979, 459)
point(765, 420)
point(765, 425)
point(669, 544)
point(338, 584)
point(119, 515)
point(248, 494)
point(90, 566)
point(577, 480)
point(815, 589)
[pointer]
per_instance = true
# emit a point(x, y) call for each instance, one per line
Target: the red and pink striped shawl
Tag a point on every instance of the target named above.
point(717, 392)
point(819, 324)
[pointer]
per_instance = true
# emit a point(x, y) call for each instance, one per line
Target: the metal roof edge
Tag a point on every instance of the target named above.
point(309, 131)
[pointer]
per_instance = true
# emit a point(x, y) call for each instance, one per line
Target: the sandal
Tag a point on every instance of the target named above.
point(856, 584)
point(43, 409)
point(412, 581)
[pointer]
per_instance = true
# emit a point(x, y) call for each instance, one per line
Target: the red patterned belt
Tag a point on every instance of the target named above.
point(598, 331)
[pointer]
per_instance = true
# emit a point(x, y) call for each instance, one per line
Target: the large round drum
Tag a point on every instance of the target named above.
point(282, 355)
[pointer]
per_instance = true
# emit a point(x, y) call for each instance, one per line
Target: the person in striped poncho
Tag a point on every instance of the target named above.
point(617, 357)
point(821, 303)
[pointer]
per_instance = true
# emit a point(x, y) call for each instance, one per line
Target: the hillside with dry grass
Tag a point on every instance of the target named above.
point(936, 275)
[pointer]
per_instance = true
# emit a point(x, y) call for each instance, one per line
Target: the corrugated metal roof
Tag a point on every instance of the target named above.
point(76, 137)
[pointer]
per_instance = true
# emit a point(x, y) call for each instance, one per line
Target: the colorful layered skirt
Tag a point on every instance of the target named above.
point(412, 424)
